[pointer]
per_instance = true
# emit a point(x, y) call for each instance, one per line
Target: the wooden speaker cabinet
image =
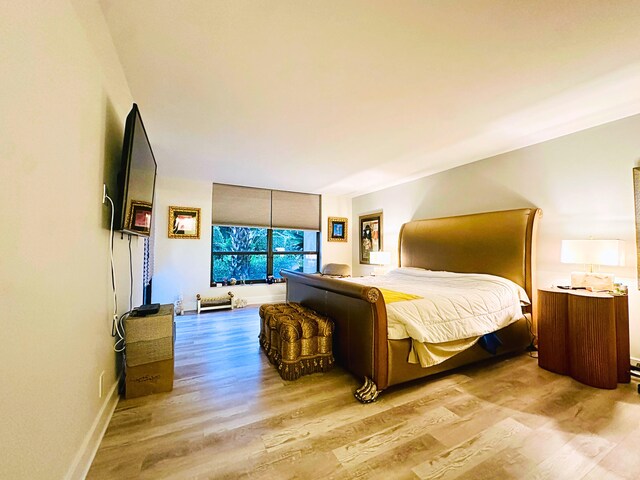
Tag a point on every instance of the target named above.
point(584, 335)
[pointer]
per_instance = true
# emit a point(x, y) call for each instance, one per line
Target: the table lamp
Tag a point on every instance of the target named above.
point(380, 258)
point(592, 254)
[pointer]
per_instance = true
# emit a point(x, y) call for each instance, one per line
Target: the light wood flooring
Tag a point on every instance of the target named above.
point(231, 416)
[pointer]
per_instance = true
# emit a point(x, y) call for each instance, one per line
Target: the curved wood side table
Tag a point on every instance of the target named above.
point(584, 335)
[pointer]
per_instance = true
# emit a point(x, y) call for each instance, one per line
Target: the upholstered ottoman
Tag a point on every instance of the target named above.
point(296, 339)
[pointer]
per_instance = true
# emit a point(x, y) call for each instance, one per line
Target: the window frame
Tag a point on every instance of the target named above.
point(269, 253)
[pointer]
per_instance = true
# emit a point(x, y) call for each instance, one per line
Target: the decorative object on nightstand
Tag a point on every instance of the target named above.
point(585, 335)
point(592, 253)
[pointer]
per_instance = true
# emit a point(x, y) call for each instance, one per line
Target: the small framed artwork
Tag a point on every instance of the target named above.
point(139, 217)
point(370, 236)
point(184, 222)
point(338, 229)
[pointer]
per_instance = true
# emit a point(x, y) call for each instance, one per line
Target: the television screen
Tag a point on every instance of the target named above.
point(137, 178)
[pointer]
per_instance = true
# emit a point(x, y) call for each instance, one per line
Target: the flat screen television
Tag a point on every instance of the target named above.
point(137, 179)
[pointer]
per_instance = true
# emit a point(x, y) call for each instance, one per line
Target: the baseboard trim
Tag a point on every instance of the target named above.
point(87, 451)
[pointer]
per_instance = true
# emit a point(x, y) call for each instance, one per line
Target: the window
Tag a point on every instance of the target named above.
point(250, 254)
point(295, 250)
point(284, 233)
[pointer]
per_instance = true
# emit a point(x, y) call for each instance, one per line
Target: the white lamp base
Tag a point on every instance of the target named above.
point(378, 271)
point(597, 281)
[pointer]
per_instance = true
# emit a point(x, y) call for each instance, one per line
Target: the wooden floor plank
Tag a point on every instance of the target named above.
point(364, 448)
point(457, 461)
point(231, 416)
point(573, 460)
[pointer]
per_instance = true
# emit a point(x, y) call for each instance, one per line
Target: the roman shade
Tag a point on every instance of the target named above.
point(259, 207)
point(241, 206)
point(295, 210)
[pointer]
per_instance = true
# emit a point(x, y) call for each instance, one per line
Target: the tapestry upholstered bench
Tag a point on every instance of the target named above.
point(296, 339)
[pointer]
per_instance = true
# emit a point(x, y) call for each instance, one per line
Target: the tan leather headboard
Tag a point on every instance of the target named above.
point(499, 243)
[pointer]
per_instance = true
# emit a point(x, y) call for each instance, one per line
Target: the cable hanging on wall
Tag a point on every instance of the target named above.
point(117, 329)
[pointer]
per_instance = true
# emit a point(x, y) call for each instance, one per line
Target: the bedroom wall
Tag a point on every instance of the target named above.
point(63, 101)
point(181, 266)
point(336, 252)
point(582, 182)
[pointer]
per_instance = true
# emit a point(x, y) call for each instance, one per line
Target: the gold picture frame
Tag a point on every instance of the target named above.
point(184, 222)
point(338, 230)
point(139, 217)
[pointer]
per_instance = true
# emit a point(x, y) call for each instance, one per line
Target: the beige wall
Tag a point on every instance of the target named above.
point(583, 183)
point(181, 266)
point(61, 114)
point(336, 252)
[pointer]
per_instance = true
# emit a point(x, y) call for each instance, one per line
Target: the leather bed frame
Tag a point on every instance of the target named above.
point(499, 243)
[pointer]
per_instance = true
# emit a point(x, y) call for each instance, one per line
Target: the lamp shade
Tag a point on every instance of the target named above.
point(380, 258)
point(593, 252)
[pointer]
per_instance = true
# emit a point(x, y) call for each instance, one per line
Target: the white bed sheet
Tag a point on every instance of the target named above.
point(454, 307)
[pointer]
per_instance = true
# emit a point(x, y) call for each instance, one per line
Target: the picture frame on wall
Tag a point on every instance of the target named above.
point(139, 217)
point(338, 229)
point(370, 236)
point(636, 195)
point(184, 222)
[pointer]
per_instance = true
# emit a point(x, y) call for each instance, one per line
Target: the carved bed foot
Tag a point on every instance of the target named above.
point(368, 392)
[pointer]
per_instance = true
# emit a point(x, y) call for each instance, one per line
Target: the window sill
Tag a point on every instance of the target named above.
point(253, 284)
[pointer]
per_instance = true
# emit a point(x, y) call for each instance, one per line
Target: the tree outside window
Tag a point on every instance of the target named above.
point(249, 254)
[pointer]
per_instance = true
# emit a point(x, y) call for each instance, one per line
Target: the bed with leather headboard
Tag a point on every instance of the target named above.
point(497, 243)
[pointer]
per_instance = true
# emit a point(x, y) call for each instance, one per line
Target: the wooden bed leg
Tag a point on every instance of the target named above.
point(368, 392)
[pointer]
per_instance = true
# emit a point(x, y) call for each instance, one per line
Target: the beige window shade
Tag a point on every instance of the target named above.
point(295, 210)
point(242, 206)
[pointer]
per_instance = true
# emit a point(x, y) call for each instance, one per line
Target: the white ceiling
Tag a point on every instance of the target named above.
point(346, 97)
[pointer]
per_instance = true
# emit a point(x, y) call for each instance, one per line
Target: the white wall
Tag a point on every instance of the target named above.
point(336, 252)
point(582, 182)
point(182, 266)
point(61, 114)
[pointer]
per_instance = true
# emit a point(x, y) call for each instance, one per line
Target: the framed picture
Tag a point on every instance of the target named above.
point(139, 217)
point(370, 236)
point(184, 222)
point(636, 194)
point(338, 229)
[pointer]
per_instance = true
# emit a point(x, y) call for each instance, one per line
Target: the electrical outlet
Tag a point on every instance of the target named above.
point(101, 385)
point(104, 193)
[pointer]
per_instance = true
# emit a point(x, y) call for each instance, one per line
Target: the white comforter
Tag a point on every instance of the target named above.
point(454, 306)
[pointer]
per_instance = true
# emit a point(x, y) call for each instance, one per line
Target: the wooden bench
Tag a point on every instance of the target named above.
point(214, 303)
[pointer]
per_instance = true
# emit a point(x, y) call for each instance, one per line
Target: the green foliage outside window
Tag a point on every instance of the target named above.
point(242, 253)
point(240, 267)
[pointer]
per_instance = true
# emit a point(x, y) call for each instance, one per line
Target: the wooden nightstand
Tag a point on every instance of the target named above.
point(584, 335)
